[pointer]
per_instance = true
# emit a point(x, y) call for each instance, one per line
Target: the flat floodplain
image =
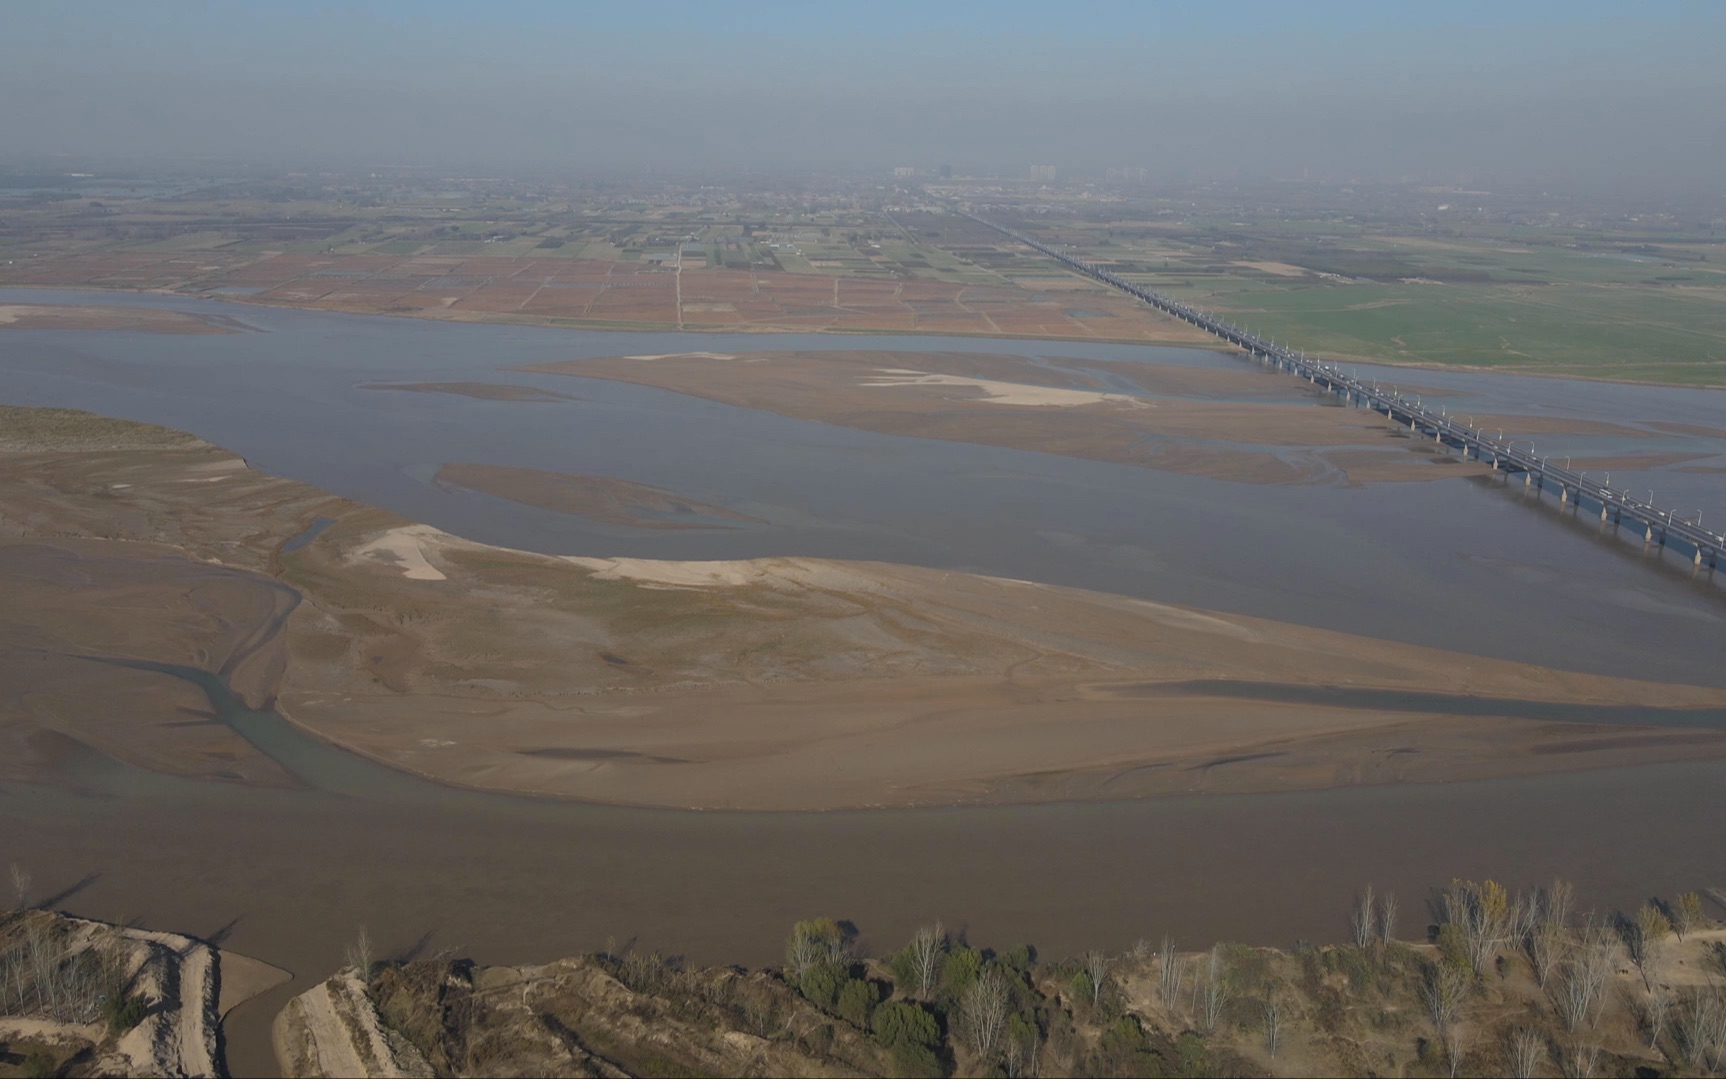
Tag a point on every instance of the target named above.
point(1458, 563)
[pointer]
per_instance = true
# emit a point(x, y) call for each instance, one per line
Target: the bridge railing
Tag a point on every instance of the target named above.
point(1394, 405)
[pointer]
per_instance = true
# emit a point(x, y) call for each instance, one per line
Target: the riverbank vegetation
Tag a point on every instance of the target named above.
point(1491, 983)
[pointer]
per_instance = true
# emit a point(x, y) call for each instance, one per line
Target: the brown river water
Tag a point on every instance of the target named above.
point(290, 876)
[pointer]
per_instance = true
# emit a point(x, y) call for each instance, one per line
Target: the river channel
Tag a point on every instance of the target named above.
point(289, 876)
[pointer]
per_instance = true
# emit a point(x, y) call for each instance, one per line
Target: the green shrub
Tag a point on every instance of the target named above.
point(900, 1022)
point(40, 1064)
point(962, 967)
point(124, 1011)
point(915, 1062)
point(856, 1002)
point(1191, 1055)
point(1020, 959)
point(821, 985)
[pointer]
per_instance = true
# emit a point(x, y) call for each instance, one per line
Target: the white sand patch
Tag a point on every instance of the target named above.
point(685, 355)
point(406, 547)
point(12, 312)
point(794, 574)
point(1005, 393)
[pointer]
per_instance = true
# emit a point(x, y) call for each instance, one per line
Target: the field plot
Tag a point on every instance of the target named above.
point(1599, 302)
point(463, 250)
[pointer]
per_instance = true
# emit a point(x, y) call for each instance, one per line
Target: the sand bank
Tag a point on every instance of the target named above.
point(1232, 425)
point(781, 683)
point(81, 317)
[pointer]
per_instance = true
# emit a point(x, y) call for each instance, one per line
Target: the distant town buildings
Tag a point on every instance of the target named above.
point(1043, 174)
point(1126, 176)
point(902, 171)
point(946, 172)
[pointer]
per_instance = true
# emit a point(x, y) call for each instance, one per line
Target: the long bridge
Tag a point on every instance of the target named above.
point(1575, 489)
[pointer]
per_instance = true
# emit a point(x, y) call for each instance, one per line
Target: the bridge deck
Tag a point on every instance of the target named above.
point(1659, 525)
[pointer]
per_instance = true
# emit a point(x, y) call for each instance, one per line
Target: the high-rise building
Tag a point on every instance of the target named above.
point(905, 170)
point(946, 172)
point(1043, 174)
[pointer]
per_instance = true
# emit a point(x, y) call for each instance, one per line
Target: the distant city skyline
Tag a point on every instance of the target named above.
point(1575, 93)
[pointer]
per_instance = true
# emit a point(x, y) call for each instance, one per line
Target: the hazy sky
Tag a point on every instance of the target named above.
point(1444, 89)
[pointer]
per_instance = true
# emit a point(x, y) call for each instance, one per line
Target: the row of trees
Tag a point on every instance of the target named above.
point(1000, 1010)
point(1481, 929)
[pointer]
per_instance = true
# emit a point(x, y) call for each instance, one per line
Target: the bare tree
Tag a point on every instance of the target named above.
point(1643, 936)
point(1169, 971)
point(1482, 911)
point(1584, 1057)
point(1686, 914)
point(1097, 966)
point(1273, 1013)
point(1701, 1027)
point(1558, 901)
point(1655, 1014)
point(360, 953)
point(925, 951)
point(1527, 1048)
point(983, 1012)
point(1578, 988)
point(1443, 991)
point(1211, 990)
point(1455, 1041)
point(1364, 918)
point(1543, 942)
point(20, 886)
point(49, 973)
point(1387, 918)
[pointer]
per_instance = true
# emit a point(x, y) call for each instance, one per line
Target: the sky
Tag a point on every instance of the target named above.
point(1452, 92)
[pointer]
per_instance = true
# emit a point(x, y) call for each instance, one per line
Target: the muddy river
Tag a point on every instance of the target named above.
point(290, 876)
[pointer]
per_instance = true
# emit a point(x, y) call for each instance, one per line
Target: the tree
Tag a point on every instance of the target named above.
point(923, 960)
point(1643, 936)
point(1364, 919)
point(1273, 1014)
point(1483, 915)
point(857, 1000)
point(20, 886)
point(1024, 1042)
point(1387, 918)
point(1097, 967)
point(983, 1011)
point(1655, 1014)
point(1443, 991)
point(1527, 1048)
point(1211, 990)
point(812, 943)
point(1169, 971)
point(1701, 1027)
point(1580, 978)
point(959, 969)
point(909, 1034)
point(1687, 914)
point(360, 953)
